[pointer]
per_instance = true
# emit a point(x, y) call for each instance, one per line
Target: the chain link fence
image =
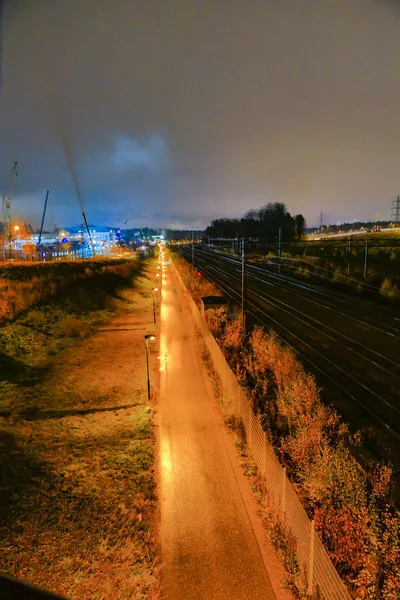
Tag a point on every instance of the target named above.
point(317, 572)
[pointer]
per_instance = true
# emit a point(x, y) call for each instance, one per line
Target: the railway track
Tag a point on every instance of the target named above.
point(351, 351)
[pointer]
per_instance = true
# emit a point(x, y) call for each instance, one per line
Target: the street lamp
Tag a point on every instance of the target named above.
point(154, 304)
point(147, 337)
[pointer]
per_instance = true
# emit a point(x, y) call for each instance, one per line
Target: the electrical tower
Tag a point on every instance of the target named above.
point(321, 220)
point(396, 210)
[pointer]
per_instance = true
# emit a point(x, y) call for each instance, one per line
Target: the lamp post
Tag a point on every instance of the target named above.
point(16, 228)
point(154, 304)
point(147, 337)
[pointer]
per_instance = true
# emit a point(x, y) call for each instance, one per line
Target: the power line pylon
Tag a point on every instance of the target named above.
point(396, 210)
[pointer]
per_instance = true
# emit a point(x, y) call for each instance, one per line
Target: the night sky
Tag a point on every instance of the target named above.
point(175, 112)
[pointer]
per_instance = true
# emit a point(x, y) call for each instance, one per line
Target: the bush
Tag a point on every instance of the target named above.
point(390, 289)
point(356, 523)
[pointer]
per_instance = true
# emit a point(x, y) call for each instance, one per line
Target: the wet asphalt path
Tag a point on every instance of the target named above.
point(208, 546)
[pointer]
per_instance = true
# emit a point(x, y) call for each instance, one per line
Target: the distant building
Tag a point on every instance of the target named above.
point(74, 238)
point(103, 238)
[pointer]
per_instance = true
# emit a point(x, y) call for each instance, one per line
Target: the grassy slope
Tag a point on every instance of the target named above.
point(76, 450)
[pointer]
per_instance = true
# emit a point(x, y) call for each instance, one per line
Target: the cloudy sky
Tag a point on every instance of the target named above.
point(175, 112)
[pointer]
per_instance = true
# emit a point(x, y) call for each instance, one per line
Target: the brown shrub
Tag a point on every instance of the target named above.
point(358, 528)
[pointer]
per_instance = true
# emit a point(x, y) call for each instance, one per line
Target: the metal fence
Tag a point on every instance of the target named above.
point(17, 256)
point(316, 568)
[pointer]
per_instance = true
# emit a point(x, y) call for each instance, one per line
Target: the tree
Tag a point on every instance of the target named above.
point(264, 222)
point(274, 217)
point(299, 224)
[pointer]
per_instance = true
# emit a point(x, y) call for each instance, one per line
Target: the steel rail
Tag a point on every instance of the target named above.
point(256, 309)
point(282, 279)
point(339, 333)
point(362, 303)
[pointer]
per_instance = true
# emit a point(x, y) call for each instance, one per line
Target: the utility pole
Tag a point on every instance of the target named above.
point(365, 258)
point(193, 248)
point(243, 285)
point(279, 249)
point(396, 210)
point(349, 257)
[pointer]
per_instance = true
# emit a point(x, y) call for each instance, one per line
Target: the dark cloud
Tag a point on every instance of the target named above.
point(178, 112)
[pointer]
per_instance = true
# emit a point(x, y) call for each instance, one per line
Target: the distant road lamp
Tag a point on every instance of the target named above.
point(147, 337)
point(155, 290)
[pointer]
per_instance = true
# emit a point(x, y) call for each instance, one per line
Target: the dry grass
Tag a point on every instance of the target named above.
point(79, 500)
point(25, 286)
point(78, 492)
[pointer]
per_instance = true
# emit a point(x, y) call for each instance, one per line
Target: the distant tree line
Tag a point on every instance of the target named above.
point(264, 222)
point(356, 225)
point(179, 234)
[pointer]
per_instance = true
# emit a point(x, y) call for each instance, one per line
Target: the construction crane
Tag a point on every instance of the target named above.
point(6, 203)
